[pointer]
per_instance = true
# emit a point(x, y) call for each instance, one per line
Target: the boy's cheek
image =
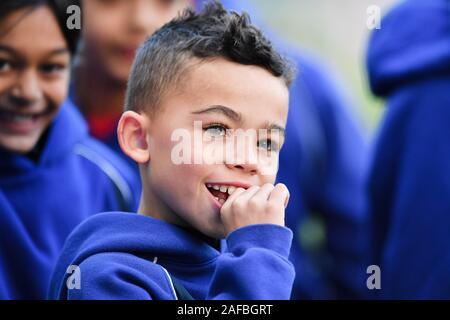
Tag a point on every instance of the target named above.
point(269, 168)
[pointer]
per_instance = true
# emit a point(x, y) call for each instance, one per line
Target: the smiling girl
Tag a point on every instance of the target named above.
point(52, 174)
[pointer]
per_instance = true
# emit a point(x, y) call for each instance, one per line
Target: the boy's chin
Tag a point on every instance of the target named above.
point(217, 232)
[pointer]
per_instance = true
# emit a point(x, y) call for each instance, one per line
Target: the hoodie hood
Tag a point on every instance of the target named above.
point(412, 44)
point(143, 236)
point(69, 121)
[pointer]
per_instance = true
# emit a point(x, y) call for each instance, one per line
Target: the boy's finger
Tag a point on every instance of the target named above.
point(263, 193)
point(280, 194)
point(232, 197)
point(250, 192)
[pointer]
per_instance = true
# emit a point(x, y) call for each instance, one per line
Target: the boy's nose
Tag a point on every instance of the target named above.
point(246, 162)
point(26, 90)
point(251, 169)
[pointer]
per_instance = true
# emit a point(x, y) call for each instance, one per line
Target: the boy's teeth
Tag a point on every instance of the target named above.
point(231, 190)
point(224, 189)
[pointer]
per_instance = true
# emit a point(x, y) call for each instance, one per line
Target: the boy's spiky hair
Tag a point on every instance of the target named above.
point(212, 33)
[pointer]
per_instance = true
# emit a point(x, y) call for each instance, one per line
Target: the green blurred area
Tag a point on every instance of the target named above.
point(336, 31)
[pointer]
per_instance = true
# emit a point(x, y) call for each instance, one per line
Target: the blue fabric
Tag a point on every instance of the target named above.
point(409, 64)
point(42, 201)
point(126, 256)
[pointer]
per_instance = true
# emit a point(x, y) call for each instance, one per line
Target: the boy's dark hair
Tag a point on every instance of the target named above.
point(213, 33)
point(59, 9)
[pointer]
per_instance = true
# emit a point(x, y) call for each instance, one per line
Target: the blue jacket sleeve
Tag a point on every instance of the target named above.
point(256, 266)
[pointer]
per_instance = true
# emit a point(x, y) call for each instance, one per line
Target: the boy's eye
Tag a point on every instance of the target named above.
point(216, 130)
point(5, 65)
point(51, 68)
point(268, 145)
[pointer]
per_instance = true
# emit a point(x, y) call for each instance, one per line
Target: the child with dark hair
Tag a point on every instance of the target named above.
point(209, 76)
point(52, 174)
point(322, 162)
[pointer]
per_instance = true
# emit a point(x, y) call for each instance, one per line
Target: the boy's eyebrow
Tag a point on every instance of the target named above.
point(230, 113)
point(274, 126)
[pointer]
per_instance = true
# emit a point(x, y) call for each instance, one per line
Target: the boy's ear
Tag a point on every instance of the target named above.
point(132, 135)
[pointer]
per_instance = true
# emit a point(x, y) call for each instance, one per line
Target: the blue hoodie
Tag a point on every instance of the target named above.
point(409, 65)
point(42, 201)
point(125, 256)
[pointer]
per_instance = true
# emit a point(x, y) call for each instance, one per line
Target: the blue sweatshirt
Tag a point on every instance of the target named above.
point(409, 65)
point(42, 201)
point(124, 256)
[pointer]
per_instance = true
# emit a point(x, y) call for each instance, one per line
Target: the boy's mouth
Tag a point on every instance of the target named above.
point(220, 192)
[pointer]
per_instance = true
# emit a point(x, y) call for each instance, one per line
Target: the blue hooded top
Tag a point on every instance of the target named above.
point(125, 256)
point(42, 201)
point(408, 63)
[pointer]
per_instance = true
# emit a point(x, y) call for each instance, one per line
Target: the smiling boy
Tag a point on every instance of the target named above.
point(215, 68)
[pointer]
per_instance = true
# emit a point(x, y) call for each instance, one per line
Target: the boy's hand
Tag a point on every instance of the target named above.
point(256, 205)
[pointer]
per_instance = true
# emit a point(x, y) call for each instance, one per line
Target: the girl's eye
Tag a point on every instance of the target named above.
point(52, 68)
point(268, 145)
point(5, 65)
point(216, 130)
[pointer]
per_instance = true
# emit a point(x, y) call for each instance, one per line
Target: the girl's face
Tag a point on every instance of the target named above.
point(34, 76)
point(114, 29)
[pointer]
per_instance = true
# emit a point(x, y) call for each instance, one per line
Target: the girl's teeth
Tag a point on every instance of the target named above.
point(216, 187)
point(209, 185)
point(231, 190)
point(223, 189)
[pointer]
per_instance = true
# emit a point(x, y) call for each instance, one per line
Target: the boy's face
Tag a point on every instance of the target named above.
point(34, 75)
point(222, 95)
point(114, 29)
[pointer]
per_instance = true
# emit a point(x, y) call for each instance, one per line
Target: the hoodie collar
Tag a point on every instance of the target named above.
point(141, 235)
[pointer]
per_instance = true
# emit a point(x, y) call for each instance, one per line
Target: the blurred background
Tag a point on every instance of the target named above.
point(337, 32)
